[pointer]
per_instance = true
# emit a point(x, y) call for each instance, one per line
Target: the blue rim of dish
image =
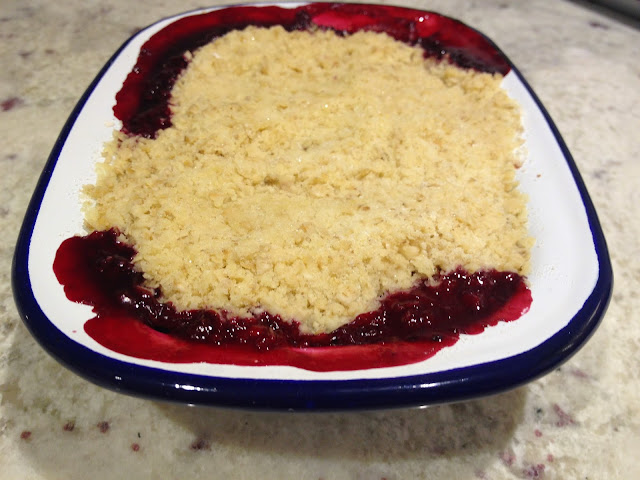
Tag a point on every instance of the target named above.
point(309, 395)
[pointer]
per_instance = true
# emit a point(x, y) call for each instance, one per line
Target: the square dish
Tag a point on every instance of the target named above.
point(570, 281)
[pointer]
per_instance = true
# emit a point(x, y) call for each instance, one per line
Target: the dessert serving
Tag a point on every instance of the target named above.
point(310, 206)
point(309, 188)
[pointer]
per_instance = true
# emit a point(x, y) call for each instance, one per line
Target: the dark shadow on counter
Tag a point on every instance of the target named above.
point(623, 11)
point(482, 425)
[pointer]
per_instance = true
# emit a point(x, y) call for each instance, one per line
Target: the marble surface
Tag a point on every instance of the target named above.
point(582, 421)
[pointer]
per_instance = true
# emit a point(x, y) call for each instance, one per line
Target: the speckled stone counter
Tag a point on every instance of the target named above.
point(582, 421)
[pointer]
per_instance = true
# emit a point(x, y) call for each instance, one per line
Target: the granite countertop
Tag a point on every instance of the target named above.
point(581, 421)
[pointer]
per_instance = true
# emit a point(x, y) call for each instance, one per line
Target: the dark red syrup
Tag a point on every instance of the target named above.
point(143, 103)
point(408, 327)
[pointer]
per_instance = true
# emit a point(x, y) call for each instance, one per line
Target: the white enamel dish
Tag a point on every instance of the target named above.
point(571, 284)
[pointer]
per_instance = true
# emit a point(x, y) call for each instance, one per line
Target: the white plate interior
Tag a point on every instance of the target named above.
point(564, 259)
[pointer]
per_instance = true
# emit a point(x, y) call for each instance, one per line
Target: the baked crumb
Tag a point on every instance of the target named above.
point(308, 174)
